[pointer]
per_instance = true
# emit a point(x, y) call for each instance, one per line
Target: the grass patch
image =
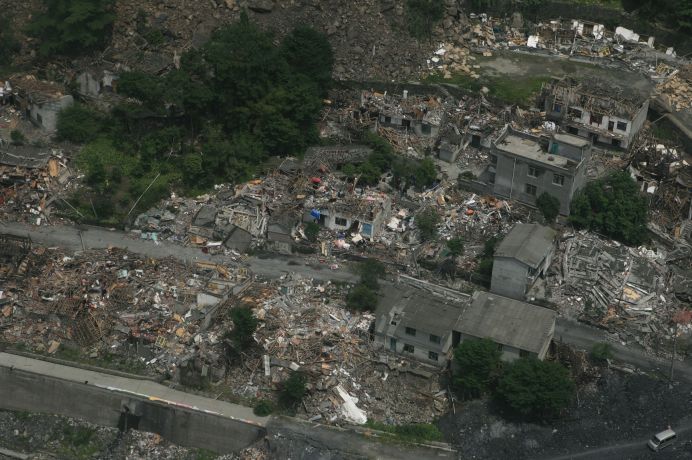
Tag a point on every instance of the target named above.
point(509, 90)
point(412, 432)
point(79, 442)
point(107, 361)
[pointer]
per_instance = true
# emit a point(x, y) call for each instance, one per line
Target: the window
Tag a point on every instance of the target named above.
point(408, 348)
point(499, 347)
point(533, 171)
point(531, 189)
point(596, 118)
point(493, 159)
point(557, 108)
point(622, 125)
point(491, 178)
point(575, 113)
point(340, 221)
point(558, 179)
point(387, 119)
point(435, 338)
point(611, 126)
point(616, 142)
point(426, 129)
point(573, 130)
point(524, 354)
point(410, 331)
point(432, 356)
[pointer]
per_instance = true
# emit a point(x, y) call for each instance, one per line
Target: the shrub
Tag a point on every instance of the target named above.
point(17, 137)
point(601, 352)
point(549, 206)
point(537, 389)
point(361, 298)
point(370, 271)
point(455, 247)
point(293, 390)
point(244, 325)
point(263, 408)
point(427, 222)
point(421, 15)
point(79, 124)
point(477, 367)
point(312, 230)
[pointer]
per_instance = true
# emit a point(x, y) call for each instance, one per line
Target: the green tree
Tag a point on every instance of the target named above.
point(17, 137)
point(79, 124)
point(477, 367)
point(312, 230)
point(361, 298)
point(549, 206)
point(9, 45)
point(427, 221)
point(71, 27)
point(293, 390)
point(244, 325)
point(142, 86)
point(371, 270)
point(455, 247)
point(537, 389)
point(613, 206)
point(263, 408)
point(309, 53)
point(425, 173)
point(421, 16)
point(601, 352)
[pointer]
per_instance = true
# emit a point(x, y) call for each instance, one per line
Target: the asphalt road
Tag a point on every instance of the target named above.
point(637, 449)
point(74, 239)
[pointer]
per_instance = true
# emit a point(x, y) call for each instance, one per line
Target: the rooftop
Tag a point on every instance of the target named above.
point(527, 147)
point(507, 321)
point(23, 156)
point(569, 139)
point(528, 243)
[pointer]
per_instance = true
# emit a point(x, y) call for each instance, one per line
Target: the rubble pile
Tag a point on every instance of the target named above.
point(677, 88)
point(623, 289)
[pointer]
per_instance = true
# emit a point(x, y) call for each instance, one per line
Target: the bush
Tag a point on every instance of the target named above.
point(263, 408)
point(79, 124)
point(70, 27)
point(370, 271)
point(421, 15)
point(17, 137)
point(244, 325)
point(601, 352)
point(613, 206)
point(293, 390)
point(362, 298)
point(312, 230)
point(455, 247)
point(9, 45)
point(549, 206)
point(427, 222)
point(537, 389)
point(477, 367)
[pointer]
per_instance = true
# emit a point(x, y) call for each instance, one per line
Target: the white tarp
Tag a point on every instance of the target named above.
point(349, 409)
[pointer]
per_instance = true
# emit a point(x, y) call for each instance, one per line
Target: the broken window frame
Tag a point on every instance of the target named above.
point(341, 221)
point(533, 171)
point(530, 189)
point(410, 331)
point(435, 338)
point(558, 179)
point(408, 348)
point(433, 356)
point(622, 126)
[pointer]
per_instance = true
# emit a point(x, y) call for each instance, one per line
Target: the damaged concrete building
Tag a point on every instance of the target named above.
point(521, 258)
point(596, 110)
point(40, 101)
point(523, 166)
point(427, 324)
point(420, 116)
point(364, 214)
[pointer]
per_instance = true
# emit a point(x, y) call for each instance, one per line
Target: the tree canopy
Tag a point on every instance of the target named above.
point(72, 27)
point(613, 206)
point(549, 206)
point(536, 388)
point(477, 366)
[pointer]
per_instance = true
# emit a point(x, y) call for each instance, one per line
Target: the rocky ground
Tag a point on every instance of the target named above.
point(54, 437)
point(618, 409)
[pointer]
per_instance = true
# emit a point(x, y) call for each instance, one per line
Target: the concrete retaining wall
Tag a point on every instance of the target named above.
point(26, 391)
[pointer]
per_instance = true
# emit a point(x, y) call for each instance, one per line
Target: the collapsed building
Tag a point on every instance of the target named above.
point(363, 214)
point(596, 110)
point(40, 100)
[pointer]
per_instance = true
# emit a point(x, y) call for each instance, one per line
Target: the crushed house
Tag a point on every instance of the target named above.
point(362, 214)
point(596, 110)
point(523, 166)
point(522, 256)
point(13, 255)
point(519, 328)
point(39, 100)
point(419, 115)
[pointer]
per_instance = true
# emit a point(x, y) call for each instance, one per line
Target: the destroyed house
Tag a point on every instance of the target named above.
point(363, 215)
point(522, 256)
point(333, 157)
point(596, 110)
point(523, 166)
point(39, 100)
point(418, 115)
point(415, 323)
point(13, 255)
point(520, 329)
point(24, 156)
